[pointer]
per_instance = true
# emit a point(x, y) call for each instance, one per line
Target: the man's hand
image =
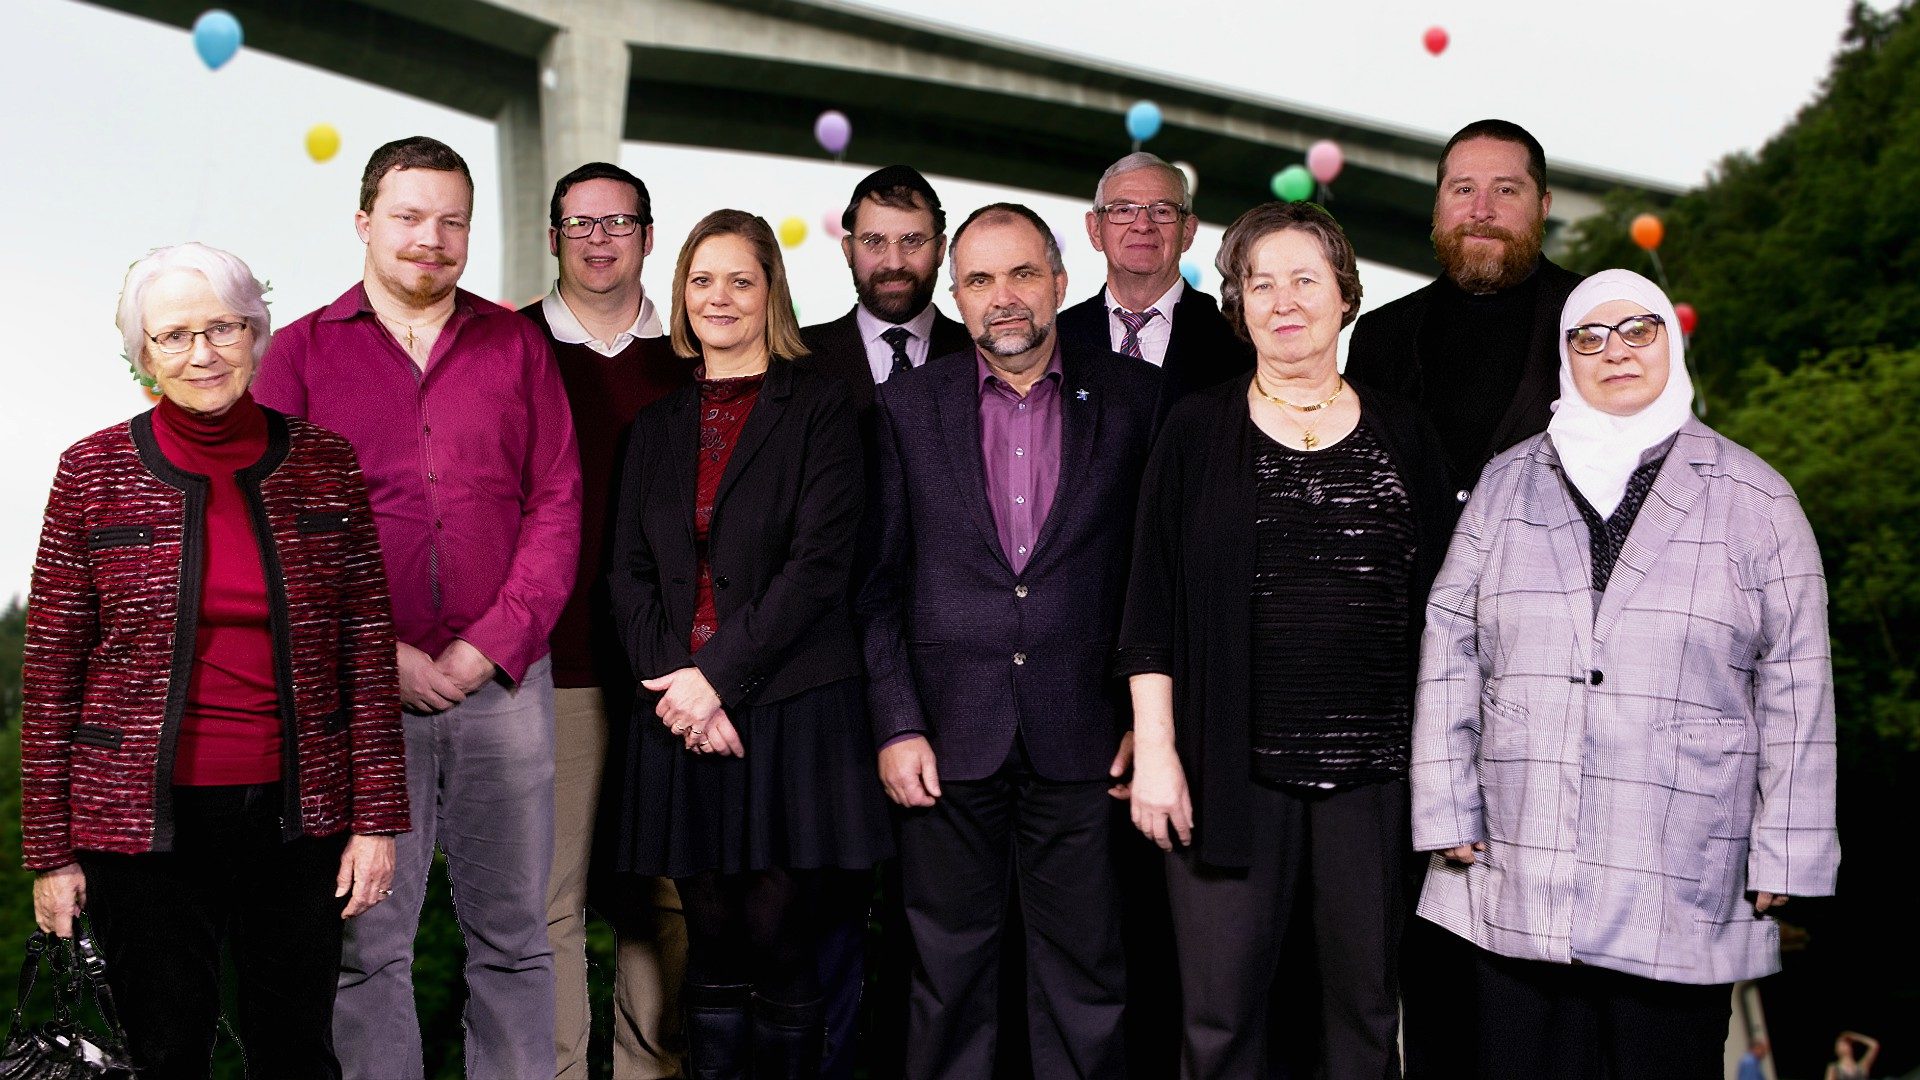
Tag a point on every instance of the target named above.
point(424, 688)
point(465, 666)
point(58, 896)
point(366, 872)
point(908, 772)
point(1122, 765)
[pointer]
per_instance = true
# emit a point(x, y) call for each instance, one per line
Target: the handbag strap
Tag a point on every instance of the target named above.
point(95, 968)
point(29, 971)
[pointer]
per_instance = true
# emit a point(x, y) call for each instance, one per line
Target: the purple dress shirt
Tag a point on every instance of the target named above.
point(471, 466)
point(1020, 446)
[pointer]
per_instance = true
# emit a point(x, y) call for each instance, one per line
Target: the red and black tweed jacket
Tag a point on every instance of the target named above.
point(111, 623)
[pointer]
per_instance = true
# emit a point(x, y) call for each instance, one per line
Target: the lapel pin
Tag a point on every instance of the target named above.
point(1080, 394)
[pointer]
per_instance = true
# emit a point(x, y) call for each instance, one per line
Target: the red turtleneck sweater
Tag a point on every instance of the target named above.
point(231, 731)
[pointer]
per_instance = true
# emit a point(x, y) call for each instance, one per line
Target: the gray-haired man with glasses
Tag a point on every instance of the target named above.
point(896, 237)
point(1142, 221)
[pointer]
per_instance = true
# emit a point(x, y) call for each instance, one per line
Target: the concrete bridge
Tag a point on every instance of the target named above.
point(567, 80)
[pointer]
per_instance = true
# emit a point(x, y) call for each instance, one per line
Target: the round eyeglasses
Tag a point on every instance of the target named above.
point(579, 228)
point(1126, 213)
point(1636, 330)
point(874, 243)
point(219, 335)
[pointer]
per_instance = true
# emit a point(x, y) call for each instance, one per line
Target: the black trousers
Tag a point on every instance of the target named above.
point(1580, 1022)
point(958, 861)
point(163, 918)
point(1340, 851)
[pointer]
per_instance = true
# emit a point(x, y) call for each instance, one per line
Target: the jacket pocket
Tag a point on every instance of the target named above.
point(114, 536)
point(104, 738)
point(1504, 768)
point(331, 521)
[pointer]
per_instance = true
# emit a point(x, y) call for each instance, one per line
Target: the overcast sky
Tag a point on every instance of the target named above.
point(115, 139)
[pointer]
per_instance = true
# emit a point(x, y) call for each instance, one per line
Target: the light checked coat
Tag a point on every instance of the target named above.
point(1635, 771)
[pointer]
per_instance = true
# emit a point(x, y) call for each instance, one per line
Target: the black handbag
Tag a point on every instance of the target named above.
point(63, 1048)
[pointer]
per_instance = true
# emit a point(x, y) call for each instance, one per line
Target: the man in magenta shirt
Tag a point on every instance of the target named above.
point(457, 412)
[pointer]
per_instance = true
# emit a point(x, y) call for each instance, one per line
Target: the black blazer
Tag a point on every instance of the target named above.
point(1385, 352)
point(959, 647)
point(1203, 351)
point(1189, 610)
point(781, 545)
point(834, 348)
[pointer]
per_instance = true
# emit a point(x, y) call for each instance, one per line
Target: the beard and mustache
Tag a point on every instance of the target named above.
point(1012, 342)
point(898, 308)
point(1480, 269)
point(424, 290)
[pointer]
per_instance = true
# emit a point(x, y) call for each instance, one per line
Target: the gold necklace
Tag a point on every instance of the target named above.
point(1307, 437)
point(437, 320)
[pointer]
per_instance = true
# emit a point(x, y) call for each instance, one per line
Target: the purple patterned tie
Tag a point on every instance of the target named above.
point(1131, 343)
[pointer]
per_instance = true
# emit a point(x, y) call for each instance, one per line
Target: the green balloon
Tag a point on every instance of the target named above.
point(1293, 183)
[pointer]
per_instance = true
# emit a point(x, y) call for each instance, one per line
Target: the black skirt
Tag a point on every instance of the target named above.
point(806, 796)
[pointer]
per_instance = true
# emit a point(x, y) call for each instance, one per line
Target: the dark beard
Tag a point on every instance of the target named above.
point(1487, 272)
point(899, 309)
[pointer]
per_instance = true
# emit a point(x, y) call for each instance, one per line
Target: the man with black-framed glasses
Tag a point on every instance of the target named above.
point(1142, 221)
point(896, 235)
point(615, 359)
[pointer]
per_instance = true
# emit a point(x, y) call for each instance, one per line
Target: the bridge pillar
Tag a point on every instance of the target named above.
point(574, 115)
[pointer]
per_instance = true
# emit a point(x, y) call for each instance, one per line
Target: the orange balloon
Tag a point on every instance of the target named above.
point(1647, 231)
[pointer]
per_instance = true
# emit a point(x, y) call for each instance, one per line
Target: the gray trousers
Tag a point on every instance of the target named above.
point(650, 935)
point(480, 780)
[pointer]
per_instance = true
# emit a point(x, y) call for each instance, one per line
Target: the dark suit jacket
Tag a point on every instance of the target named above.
point(1385, 352)
point(1189, 612)
point(781, 545)
point(835, 348)
point(1203, 351)
point(958, 646)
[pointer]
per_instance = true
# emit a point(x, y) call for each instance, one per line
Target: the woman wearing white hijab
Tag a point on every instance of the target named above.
point(1623, 747)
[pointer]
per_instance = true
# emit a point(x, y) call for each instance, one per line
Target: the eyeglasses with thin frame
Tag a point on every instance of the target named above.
point(579, 228)
point(1637, 331)
point(1162, 212)
point(219, 335)
point(874, 243)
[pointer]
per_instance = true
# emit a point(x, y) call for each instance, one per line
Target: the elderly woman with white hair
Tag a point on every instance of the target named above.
point(211, 741)
point(1623, 747)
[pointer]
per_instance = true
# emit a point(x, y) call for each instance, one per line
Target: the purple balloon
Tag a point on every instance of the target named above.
point(833, 131)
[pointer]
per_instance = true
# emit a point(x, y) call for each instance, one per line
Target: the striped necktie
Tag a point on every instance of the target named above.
point(1130, 344)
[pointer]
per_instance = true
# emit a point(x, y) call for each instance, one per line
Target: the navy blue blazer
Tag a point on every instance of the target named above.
point(959, 647)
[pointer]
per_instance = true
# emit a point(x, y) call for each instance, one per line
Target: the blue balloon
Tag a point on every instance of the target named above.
point(1143, 121)
point(216, 37)
point(1191, 271)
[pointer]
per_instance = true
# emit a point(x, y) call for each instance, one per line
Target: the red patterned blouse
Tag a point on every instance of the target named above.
point(724, 406)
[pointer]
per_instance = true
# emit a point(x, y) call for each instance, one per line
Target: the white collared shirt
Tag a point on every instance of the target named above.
point(1157, 332)
point(879, 353)
point(567, 328)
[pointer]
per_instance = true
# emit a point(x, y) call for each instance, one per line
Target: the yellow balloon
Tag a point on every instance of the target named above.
point(322, 142)
point(793, 232)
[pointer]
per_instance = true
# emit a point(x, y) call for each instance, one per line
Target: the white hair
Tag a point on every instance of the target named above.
point(1134, 162)
point(232, 282)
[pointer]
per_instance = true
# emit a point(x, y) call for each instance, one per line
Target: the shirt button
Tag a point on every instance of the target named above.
point(439, 524)
point(1020, 500)
point(1019, 451)
point(1022, 550)
point(1022, 405)
point(1596, 676)
point(1019, 658)
point(1460, 496)
point(1020, 590)
point(432, 479)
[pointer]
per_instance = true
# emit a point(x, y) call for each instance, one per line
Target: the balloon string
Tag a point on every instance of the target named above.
point(1659, 270)
point(1136, 146)
point(1324, 195)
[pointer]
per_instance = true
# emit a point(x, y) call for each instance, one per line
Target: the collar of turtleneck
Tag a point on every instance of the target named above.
point(212, 444)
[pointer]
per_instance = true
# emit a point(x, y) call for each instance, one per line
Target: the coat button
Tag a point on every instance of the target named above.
point(1460, 496)
point(721, 582)
point(1020, 591)
point(1019, 658)
point(1596, 676)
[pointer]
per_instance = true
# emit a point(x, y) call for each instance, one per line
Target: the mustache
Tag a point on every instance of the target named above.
point(1017, 311)
point(1490, 232)
point(881, 277)
point(426, 256)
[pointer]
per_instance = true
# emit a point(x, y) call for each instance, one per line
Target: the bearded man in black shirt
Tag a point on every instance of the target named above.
point(1475, 349)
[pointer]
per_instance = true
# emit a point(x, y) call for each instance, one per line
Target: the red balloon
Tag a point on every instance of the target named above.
point(1436, 40)
point(1688, 317)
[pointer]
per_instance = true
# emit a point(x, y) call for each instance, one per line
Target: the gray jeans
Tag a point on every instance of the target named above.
point(480, 779)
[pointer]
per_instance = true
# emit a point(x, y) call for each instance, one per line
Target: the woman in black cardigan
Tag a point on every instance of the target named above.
point(1290, 524)
point(749, 773)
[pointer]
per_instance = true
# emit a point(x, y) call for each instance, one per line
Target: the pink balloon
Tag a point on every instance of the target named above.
point(830, 224)
point(833, 131)
point(1324, 160)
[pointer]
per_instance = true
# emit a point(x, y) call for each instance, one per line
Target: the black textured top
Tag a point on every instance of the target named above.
point(1606, 538)
point(1472, 352)
point(1334, 541)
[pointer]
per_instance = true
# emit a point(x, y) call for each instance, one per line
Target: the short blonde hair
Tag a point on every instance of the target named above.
point(783, 326)
point(238, 290)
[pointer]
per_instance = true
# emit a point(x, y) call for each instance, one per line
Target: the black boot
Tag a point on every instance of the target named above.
point(787, 1040)
point(717, 1031)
